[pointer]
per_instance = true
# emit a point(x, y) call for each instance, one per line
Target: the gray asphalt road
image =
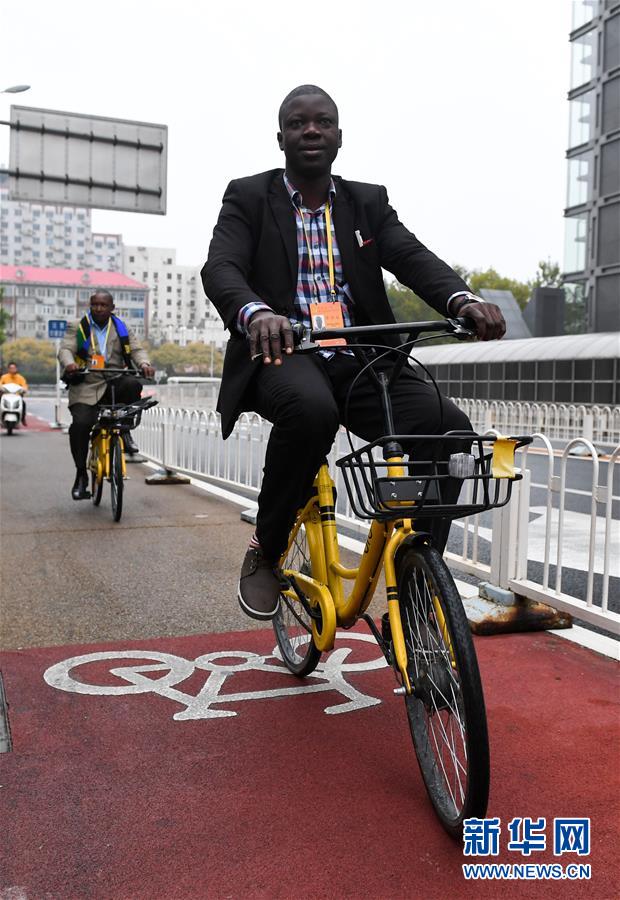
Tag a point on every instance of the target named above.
point(71, 575)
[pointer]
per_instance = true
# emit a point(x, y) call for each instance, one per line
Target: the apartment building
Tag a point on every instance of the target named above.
point(179, 310)
point(44, 235)
point(33, 295)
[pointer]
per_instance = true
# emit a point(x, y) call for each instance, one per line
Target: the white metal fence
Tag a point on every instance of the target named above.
point(558, 421)
point(543, 545)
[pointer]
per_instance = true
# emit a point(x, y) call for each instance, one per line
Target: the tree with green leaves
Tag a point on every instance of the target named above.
point(35, 359)
point(193, 359)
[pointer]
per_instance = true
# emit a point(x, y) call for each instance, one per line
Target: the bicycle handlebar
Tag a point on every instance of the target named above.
point(116, 373)
point(460, 327)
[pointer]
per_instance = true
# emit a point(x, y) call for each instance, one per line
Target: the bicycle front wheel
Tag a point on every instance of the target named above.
point(116, 477)
point(96, 483)
point(292, 623)
point(446, 712)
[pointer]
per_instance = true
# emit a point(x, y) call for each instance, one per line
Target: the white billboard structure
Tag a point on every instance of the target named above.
point(71, 159)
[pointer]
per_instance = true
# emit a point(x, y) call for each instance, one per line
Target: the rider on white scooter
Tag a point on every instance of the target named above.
point(13, 387)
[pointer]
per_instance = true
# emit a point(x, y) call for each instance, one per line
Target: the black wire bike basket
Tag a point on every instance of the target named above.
point(426, 482)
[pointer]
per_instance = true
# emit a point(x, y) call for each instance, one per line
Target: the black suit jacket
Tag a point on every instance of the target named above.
point(253, 256)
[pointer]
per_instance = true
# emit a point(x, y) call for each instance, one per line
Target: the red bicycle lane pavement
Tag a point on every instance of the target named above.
point(267, 787)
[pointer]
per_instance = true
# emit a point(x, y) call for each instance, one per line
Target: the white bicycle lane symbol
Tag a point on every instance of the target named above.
point(328, 676)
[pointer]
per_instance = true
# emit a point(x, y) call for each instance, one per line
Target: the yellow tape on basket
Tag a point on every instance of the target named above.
point(503, 461)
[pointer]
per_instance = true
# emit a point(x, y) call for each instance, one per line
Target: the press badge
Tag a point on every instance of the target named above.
point(97, 361)
point(327, 315)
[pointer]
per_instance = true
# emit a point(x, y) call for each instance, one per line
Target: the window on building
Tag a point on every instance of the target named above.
point(579, 178)
point(609, 235)
point(132, 259)
point(611, 44)
point(169, 275)
point(610, 168)
point(583, 59)
point(582, 117)
point(611, 105)
point(168, 290)
point(575, 243)
point(169, 262)
point(179, 277)
point(584, 11)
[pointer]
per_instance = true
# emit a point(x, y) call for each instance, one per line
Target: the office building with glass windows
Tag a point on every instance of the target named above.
point(592, 237)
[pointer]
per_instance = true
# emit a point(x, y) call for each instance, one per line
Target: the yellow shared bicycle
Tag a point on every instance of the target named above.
point(424, 635)
point(106, 459)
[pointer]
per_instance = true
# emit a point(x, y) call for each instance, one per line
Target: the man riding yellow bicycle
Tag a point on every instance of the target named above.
point(98, 341)
point(302, 246)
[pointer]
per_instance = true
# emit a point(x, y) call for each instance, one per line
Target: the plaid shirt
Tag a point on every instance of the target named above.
point(312, 287)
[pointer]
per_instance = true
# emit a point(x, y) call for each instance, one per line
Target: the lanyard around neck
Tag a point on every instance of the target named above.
point(330, 248)
point(94, 342)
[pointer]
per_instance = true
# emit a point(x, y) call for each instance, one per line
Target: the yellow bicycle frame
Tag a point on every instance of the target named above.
point(325, 587)
point(100, 461)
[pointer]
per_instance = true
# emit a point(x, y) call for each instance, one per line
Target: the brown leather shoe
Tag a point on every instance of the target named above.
point(259, 586)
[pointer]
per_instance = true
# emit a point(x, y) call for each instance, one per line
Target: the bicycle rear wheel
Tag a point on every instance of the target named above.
point(292, 623)
point(446, 713)
point(116, 476)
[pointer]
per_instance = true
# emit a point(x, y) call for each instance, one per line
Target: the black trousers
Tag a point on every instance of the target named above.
point(126, 390)
point(305, 398)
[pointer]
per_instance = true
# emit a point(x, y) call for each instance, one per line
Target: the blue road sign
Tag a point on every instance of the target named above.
point(56, 328)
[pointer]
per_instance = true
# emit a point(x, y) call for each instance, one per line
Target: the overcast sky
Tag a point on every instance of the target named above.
point(457, 106)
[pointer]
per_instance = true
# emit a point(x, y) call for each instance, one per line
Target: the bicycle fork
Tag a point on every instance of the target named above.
point(401, 531)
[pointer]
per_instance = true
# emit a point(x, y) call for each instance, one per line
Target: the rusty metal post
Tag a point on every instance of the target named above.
point(497, 609)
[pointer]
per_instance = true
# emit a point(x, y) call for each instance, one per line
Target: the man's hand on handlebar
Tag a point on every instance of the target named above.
point(487, 318)
point(71, 368)
point(270, 335)
point(147, 370)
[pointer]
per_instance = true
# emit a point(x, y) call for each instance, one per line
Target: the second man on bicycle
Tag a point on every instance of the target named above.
point(98, 340)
